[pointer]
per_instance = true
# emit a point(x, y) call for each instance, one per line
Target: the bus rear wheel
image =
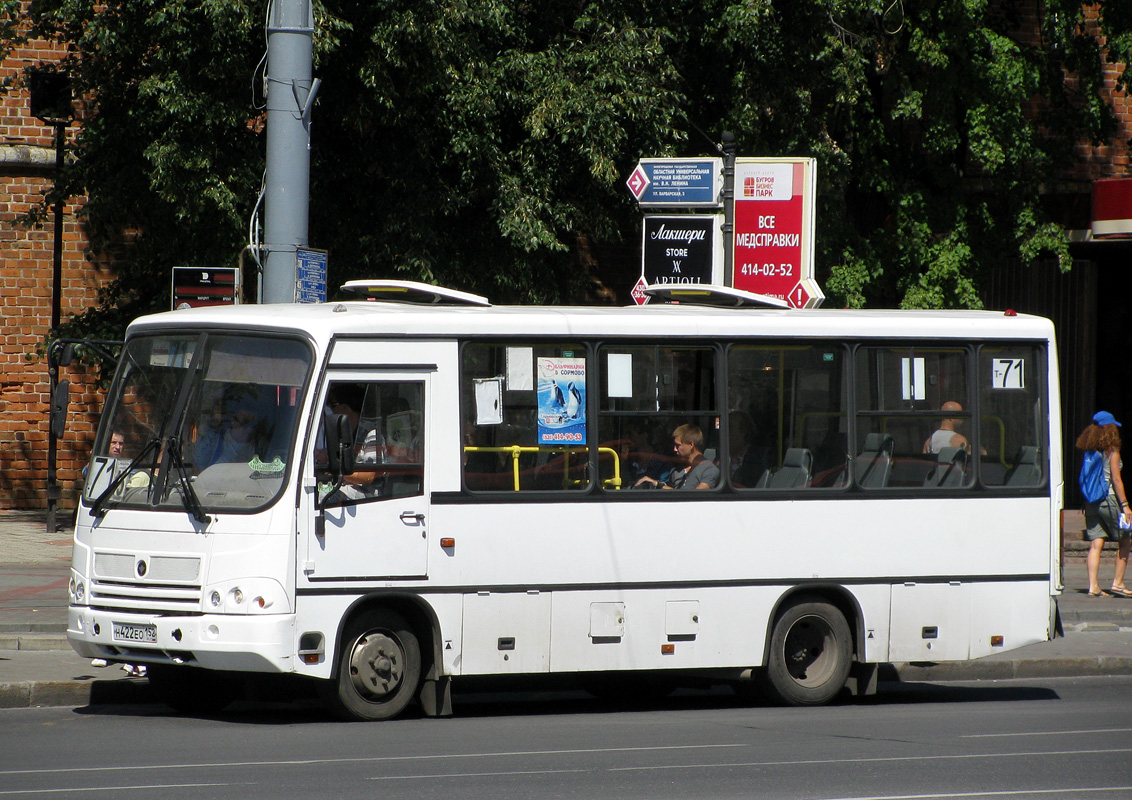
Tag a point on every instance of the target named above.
point(810, 653)
point(379, 670)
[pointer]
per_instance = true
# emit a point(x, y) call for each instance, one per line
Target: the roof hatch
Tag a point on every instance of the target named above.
point(413, 292)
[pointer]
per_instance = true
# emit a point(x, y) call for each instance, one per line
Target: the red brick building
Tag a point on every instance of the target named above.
point(27, 166)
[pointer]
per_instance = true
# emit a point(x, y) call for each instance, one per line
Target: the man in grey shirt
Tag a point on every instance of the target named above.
point(699, 473)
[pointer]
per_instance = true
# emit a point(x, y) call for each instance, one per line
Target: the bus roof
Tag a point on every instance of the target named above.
point(324, 321)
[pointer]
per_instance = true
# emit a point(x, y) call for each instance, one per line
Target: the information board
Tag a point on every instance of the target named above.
point(193, 287)
point(310, 275)
point(681, 249)
point(774, 229)
point(685, 182)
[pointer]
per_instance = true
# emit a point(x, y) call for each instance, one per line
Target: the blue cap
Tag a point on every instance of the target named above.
point(1105, 418)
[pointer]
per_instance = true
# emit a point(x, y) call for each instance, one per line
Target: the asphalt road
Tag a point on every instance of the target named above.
point(1058, 738)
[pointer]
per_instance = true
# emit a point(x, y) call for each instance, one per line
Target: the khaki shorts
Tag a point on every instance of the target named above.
point(1102, 521)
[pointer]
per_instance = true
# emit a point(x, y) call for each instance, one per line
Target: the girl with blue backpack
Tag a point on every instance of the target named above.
point(1107, 515)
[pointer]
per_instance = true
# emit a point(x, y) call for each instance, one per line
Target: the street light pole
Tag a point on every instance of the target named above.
point(57, 254)
point(290, 95)
point(50, 100)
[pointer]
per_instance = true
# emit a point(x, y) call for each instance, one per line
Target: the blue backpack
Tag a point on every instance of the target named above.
point(1091, 480)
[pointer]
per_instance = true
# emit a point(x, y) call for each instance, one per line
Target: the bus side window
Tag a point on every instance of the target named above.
point(1012, 415)
point(524, 416)
point(788, 418)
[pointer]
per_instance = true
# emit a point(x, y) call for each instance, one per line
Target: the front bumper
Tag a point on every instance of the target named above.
point(259, 643)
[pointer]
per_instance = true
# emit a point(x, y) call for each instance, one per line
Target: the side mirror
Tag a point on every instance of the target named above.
point(339, 445)
point(60, 399)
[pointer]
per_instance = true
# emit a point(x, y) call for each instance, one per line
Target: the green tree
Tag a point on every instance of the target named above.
point(471, 143)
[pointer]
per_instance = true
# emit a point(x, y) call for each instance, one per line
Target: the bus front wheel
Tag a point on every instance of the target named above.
point(380, 668)
point(810, 653)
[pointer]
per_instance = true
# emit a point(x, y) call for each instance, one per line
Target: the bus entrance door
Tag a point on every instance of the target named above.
point(375, 525)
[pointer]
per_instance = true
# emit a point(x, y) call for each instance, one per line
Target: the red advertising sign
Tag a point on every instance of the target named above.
point(774, 229)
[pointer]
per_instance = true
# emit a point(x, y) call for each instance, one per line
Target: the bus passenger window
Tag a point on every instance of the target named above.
point(525, 417)
point(1012, 416)
point(647, 392)
point(788, 418)
point(913, 402)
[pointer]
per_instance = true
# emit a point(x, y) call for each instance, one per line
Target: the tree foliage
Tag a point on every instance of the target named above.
point(470, 142)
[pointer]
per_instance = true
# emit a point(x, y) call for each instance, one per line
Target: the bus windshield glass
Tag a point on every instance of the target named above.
point(199, 422)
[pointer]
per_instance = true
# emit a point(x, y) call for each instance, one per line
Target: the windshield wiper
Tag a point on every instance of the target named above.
point(96, 508)
point(188, 493)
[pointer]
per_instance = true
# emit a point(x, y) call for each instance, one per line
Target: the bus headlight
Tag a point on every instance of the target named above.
point(76, 587)
point(248, 596)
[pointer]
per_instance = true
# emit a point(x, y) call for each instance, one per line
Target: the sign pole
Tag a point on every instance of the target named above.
point(729, 148)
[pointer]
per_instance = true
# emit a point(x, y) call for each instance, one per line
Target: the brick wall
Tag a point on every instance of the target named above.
point(27, 165)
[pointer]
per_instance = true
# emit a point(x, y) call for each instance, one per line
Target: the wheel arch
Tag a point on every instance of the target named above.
point(834, 594)
point(418, 613)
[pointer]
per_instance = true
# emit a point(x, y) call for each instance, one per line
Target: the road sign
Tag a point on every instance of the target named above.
point(638, 292)
point(684, 182)
point(774, 229)
point(806, 294)
point(205, 286)
point(682, 249)
point(310, 275)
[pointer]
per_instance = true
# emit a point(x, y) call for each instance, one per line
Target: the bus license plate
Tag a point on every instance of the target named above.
point(128, 632)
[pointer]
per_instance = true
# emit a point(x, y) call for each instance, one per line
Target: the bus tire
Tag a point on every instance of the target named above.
point(379, 670)
point(811, 652)
point(191, 690)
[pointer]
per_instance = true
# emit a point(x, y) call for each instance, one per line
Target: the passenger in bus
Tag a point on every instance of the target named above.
point(369, 445)
point(698, 472)
point(232, 436)
point(948, 434)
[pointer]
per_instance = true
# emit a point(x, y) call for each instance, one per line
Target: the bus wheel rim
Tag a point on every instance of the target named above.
point(809, 651)
point(377, 665)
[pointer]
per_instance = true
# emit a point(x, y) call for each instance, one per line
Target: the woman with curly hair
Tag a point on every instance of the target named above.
point(1103, 518)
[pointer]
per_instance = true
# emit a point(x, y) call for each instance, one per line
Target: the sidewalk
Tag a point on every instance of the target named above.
point(38, 667)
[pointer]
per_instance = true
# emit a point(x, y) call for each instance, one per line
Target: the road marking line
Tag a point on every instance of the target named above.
point(475, 774)
point(375, 759)
point(1005, 793)
point(876, 760)
point(1043, 733)
point(114, 788)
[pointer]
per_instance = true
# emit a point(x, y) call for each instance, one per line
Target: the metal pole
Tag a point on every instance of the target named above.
point(57, 256)
point(290, 40)
point(53, 492)
point(728, 208)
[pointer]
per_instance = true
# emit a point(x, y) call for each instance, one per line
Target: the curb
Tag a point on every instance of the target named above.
point(1009, 669)
point(45, 694)
point(34, 641)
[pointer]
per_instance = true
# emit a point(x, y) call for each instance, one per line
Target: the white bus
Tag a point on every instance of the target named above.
point(389, 494)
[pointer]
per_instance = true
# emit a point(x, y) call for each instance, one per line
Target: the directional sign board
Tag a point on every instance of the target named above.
point(682, 249)
point(205, 286)
point(774, 229)
point(310, 275)
point(684, 182)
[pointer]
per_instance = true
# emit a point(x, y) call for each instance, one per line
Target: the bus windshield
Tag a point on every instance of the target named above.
point(199, 422)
